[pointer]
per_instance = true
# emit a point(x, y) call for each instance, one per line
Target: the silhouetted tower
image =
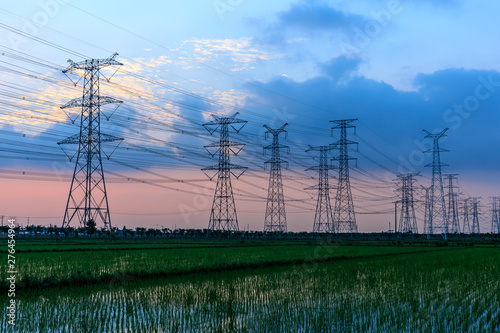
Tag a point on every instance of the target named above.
point(223, 215)
point(466, 225)
point(323, 219)
point(426, 210)
point(344, 218)
point(475, 216)
point(437, 222)
point(407, 219)
point(495, 215)
point(88, 199)
point(275, 219)
point(452, 214)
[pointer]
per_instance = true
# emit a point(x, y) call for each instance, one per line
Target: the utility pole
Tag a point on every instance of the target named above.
point(408, 219)
point(475, 215)
point(437, 222)
point(275, 219)
point(88, 198)
point(323, 219)
point(452, 214)
point(344, 217)
point(223, 215)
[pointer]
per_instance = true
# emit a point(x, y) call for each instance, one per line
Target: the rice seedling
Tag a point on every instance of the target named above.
point(443, 291)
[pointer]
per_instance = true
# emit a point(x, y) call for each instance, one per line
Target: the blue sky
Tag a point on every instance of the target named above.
point(397, 66)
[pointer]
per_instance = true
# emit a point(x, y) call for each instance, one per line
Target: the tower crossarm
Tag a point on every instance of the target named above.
point(93, 63)
point(96, 101)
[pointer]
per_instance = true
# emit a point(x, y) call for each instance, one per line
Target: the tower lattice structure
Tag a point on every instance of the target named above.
point(323, 218)
point(475, 215)
point(437, 222)
point(223, 215)
point(275, 218)
point(466, 225)
point(88, 199)
point(344, 217)
point(407, 219)
point(495, 215)
point(426, 210)
point(452, 213)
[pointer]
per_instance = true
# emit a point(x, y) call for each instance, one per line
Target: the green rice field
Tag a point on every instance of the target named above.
point(217, 286)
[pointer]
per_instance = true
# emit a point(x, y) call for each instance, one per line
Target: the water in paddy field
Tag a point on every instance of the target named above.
point(329, 297)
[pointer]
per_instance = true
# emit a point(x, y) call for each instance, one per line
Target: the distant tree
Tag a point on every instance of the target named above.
point(31, 229)
point(140, 231)
point(91, 227)
point(151, 232)
point(67, 231)
point(127, 232)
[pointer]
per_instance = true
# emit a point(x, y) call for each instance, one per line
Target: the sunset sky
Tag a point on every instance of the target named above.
point(397, 66)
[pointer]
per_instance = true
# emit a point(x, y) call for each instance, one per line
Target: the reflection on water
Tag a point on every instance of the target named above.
point(351, 297)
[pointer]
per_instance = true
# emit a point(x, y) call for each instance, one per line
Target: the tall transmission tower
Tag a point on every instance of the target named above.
point(323, 219)
point(407, 219)
point(426, 211)
point(223, 215)
point(88, 198)
point(466, 226)
point(475, 215)
point(452, 213)
point(275, 219)
point(495, 215)
point(437, 222)
point(344, 218)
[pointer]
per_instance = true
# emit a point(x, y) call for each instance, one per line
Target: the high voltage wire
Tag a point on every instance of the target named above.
point(50, 80)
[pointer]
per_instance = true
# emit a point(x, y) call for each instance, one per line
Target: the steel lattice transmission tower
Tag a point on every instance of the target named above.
point(452, 214)
point(223, 215)
point(88, 199)
point(437, 222)
point(475, 215)
point(275, 219)
point(344, 218)
point(466, 225)
point(323, 218)
point(407, 219)
point(426, 210)
point(495, 215)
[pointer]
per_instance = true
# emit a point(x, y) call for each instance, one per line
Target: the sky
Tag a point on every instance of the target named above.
point(396, 66)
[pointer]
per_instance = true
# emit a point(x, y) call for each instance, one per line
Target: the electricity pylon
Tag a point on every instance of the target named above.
point(344, 218)
point(452, 214)
point(475, 215)
point(437, 222)
point(275, 219)
point(323, 219)
point(88, 199)
point(407, 219)
point(495, 215)
point(223, 215)
point(466, 225)
point(426, 210)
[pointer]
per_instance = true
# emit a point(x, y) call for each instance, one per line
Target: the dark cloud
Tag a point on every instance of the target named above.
point(315, 15)
point(466, 101)
point(305, 18)
point(341, 67)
